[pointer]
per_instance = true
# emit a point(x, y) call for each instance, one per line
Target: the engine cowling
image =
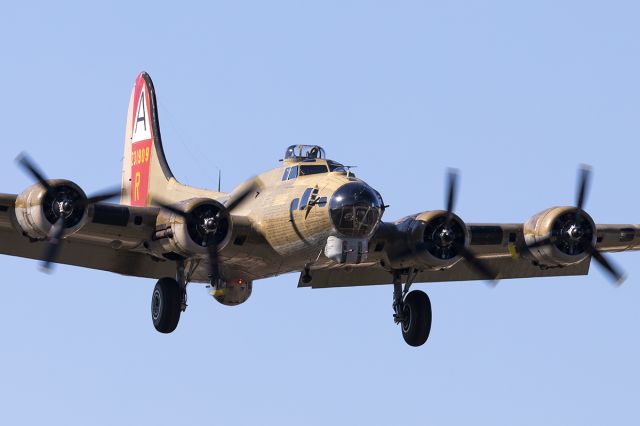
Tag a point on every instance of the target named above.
point(432, 241)
point(232, 292)
point(37, 209)
point(206, 220)
point(560, 236)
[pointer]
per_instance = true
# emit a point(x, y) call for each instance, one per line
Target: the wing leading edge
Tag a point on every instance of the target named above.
point(501, 247)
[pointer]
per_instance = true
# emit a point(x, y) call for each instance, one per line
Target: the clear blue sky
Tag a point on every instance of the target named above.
point(515, 94)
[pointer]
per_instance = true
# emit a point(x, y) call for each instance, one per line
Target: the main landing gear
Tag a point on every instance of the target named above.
point(412, 310)
point(168, 301)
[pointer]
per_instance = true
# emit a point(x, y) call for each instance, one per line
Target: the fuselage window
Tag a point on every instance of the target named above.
point(293, 173)
point(286, 173)
point(305, 198)
point(312, 170)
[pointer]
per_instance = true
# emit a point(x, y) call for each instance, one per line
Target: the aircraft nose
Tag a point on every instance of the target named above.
point(355, 210)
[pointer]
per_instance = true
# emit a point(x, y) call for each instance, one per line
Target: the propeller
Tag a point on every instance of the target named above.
point(452, 184)
point(64, 203)
point(584, 180)
point(30, 167)
point(481, 268)
point(209, 222)
point(583, 185)
point(576, 234)
point(53, 247)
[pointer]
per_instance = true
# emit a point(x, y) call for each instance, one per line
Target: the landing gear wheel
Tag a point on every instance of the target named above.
point(165, 305)
point(416, 324)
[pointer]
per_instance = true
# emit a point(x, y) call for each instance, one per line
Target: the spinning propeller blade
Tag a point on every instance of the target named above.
point(101, 196)
point(616, 276)
point(452, 184)
point(54, 237)
point(238, 197)
point(582, 190)
point(56, 233)
point(480, 267)
point(583, 185)
point(234, 200)
point(30, 167)
point(584, 181)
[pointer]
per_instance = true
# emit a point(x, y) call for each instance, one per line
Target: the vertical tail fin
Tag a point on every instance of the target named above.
point(145, 171)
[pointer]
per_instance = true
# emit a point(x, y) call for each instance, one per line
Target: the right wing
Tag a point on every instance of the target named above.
point(112, 240)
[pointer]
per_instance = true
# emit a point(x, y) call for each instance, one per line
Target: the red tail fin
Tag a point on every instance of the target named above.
point(144, 168)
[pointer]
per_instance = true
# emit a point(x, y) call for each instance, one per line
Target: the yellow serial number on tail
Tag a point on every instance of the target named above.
point(136, 187)
point(140, 156)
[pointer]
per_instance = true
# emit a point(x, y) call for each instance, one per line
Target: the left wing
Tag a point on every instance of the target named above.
point(437, 245)
point(500, 247)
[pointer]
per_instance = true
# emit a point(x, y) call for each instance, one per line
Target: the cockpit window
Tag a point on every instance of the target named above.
point(336, 167)
point(285, 175)
point(312, 170)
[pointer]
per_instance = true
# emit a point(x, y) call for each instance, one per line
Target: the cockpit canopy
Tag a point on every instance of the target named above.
point(301, 152)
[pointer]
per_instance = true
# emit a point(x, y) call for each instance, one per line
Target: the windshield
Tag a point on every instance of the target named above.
point(312, 170)
point(336, 167)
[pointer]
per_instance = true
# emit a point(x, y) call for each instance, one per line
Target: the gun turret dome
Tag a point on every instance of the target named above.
point(303, 152)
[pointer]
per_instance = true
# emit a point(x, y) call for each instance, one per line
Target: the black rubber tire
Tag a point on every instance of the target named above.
point(417, 326)
point(165, 305)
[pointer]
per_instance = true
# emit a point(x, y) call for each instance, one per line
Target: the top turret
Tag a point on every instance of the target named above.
point(303, 152)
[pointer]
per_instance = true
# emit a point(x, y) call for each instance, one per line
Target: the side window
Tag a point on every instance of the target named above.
point(294, 204)
point(286, 173)
point(294, 172)
point(314, 196)
point(305, 198)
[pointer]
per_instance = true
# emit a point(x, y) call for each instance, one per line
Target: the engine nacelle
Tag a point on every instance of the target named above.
point(560, 236)
point(430, 241)
point(232, 292)
point(38, 209)
point(206, 220)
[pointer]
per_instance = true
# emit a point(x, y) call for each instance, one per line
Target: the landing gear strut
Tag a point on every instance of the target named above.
point(168, 300)
point(412, 310)
point(306, 275)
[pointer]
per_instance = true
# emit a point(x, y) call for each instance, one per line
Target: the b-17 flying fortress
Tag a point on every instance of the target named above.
point(309, 215)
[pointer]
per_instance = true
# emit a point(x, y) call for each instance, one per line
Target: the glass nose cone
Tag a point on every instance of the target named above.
point(355, 210)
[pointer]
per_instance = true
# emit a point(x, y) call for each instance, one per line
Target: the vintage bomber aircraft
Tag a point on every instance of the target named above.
point(310, 215)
